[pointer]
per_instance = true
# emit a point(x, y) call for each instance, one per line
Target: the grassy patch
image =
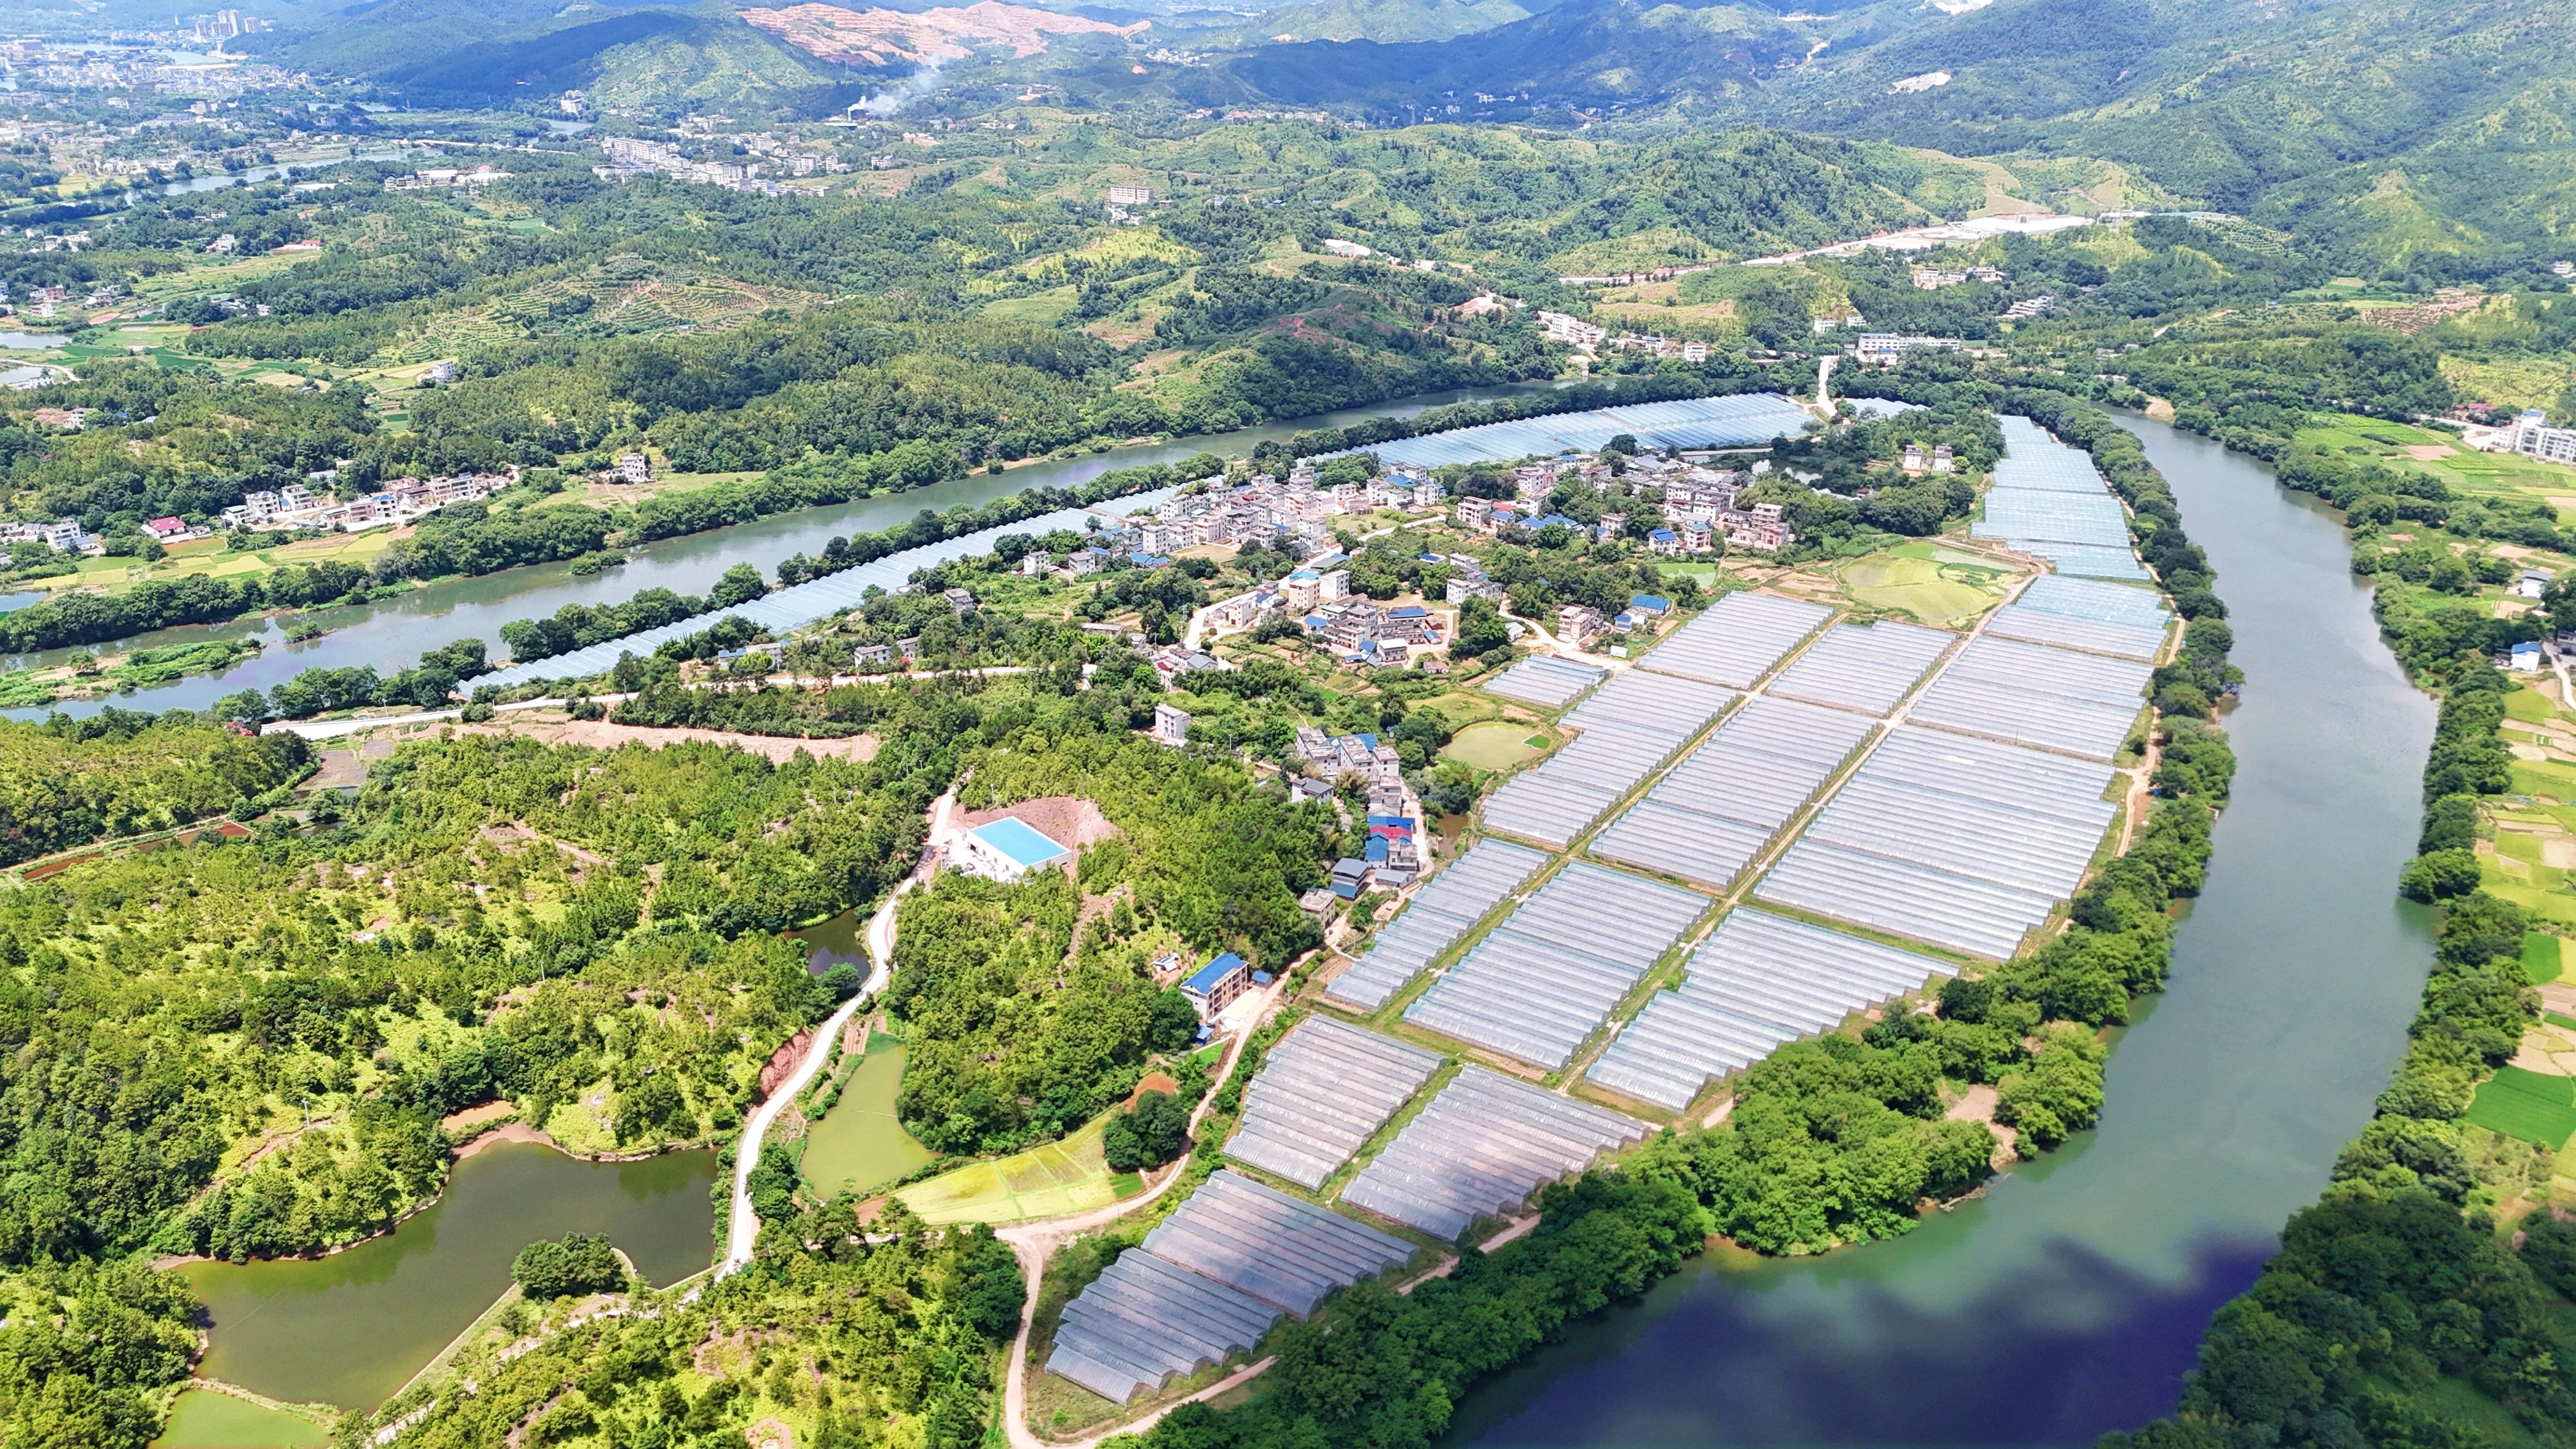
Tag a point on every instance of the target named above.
point(2540, 958)
point(1495, 745)
point(205, 1420)
point(1926, 582)
point(1061, 1177)
point(2530, 706)
point(859, 1145)
point(2529, 1105)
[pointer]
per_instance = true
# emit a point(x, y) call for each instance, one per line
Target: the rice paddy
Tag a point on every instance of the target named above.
point(2529, 1105)
point(1062, 1177)
point(1926, 582)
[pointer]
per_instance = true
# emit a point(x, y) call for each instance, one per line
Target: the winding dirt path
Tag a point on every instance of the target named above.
point(743, 1230)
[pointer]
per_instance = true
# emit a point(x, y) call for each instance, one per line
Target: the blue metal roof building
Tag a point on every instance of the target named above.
point(1008, 849)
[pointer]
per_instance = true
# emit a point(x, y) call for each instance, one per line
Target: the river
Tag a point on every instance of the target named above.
point(392, 634)
point(2071, 1297)
point(352, 1328)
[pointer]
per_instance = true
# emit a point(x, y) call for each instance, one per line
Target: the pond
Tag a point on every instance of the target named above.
point(835, 942)
point(32, 341)
point(352, 1328)
point(859, 1146)
point(2071, 1298)
point(202, 1419)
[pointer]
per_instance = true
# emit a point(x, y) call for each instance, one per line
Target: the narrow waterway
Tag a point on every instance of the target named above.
point(2071, 1298)
point(393, 634)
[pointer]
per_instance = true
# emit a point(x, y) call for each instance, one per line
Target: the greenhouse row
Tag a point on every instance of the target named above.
point(1867, 667)
point(1633, 725)
point(1759, 981)
point(2082, 704)
point(1325, 1090)
point(2050, 516)
point(2067, 631)
point(1544, 681)
point(1549, 976)
point(1736, 640)
point(1209, 1282)
point(1441, 914)
point(2049, 501)
point(1483, 1146)
point(1707, 820)
point(1959, 842)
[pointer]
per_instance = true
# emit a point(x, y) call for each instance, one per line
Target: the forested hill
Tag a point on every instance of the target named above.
point(2391, 128)
point(481, 52)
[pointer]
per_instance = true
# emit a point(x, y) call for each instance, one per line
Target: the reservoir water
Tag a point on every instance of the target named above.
point(352, 1328)
point(2070, 1298)
point(392, 635)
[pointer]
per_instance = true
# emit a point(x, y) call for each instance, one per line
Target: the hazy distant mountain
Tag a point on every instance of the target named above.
point(2401, 125)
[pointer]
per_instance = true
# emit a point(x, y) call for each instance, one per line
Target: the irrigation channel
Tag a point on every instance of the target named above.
point(392, 634)
point(2070, 1298)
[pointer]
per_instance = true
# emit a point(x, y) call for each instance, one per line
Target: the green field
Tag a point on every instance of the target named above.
point(859, 1146)
point(1045, 1182)
point(1931, 584)
point(206, 1420)
point(2542, 958)
point(2532, 1106)
point(2529, 706)
point(2475, 474)
point(1494, 745)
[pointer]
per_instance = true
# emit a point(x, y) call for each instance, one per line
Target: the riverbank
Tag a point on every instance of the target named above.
point(391, 633)
point(2069, 1298)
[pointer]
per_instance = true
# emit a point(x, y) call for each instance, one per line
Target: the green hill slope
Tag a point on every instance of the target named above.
point(486, 51)
point(2392, 129)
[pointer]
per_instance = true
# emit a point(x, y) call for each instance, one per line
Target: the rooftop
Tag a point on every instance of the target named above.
point(1026, 846)
point(1204, 979)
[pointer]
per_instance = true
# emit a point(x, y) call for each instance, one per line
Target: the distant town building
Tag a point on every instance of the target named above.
point(2534, 438)
point(1887, 347)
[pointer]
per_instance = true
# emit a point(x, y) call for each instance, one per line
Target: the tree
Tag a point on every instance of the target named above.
point(1480, 629)
point(2439, 875)
point(581, 1263)
point(740, 585)
point(1153, 1132)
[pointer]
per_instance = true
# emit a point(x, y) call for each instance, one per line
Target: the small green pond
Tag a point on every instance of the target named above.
point(859, 1145)
point(202, 1420)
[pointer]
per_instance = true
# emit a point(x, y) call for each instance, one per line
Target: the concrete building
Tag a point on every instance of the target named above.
point(1171, 726)
point(2534, 438)
point(1217, 985)
point(1007, 850)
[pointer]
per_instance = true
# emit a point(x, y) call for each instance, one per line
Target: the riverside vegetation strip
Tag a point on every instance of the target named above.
point(2420, 1301)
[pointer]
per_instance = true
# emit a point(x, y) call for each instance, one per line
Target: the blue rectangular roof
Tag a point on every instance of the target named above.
point(1026, 846)
point(1204, 979)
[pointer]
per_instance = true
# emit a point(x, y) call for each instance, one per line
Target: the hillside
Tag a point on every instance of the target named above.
point(2390, 130)
point(471, 52)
